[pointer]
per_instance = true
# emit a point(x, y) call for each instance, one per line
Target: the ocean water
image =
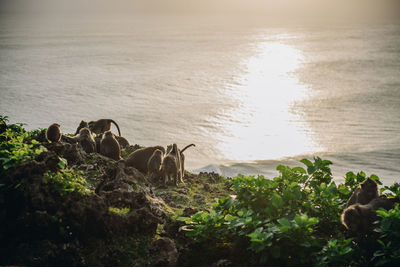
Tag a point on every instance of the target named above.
point(250, 97)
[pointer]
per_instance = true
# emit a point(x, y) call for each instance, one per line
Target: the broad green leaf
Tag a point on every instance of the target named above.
point(306, 162)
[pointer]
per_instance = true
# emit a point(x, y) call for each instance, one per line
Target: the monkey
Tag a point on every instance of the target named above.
point(102, 125)
point(359, 218)
point(85, 140)
point(123, 142)
point(54, 133)
point(83, 124)
point(366, 191)
point(154, 164)
point(109, 146)
point(169, 148)
point(139, 158)
point(172, 165)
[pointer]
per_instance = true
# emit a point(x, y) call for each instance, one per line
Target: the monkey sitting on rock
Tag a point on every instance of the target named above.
point(54, 133)
point(109, 146)
point(85, 140)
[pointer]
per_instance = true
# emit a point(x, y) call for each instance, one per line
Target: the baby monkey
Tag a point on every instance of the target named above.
point(367, 191)
point(169, 148)
point(54, 133)
point(171, 166)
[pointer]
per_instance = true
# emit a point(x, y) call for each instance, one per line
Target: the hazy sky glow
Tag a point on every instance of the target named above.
point(277, 9)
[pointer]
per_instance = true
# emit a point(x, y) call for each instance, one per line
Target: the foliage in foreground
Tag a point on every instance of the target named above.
point(67, 181)
point(17, 145)
point(294, 219)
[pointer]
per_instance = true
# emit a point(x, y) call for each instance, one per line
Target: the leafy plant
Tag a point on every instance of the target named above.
point(285, 219)
point(389, 237)
point(337, 252)
point(392, 190)
point(17, 146)
point(67, 181)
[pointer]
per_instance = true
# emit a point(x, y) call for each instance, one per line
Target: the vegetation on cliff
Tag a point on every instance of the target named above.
point(60, 205)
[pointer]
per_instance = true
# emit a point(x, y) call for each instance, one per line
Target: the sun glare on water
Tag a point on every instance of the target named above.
point(265, 124)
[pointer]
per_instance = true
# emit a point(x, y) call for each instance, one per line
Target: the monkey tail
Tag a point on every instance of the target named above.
point(186, 147)
point(119, 131)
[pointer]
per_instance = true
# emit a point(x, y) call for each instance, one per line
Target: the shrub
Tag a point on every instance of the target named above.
point(291, 219)
point(388, 251)
point(67, 181)
point(16, 146)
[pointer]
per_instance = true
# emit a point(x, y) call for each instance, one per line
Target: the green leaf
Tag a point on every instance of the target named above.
point(276, 200)
point(311, 169)
point(62, 163)
point(306, 162)
point(326, 162)
point(284, 222)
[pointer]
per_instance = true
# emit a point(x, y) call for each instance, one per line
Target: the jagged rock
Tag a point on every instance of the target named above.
point(120, 177)
point(165, 249)
point(48, 225)
point(38, 212)
point(71, 152)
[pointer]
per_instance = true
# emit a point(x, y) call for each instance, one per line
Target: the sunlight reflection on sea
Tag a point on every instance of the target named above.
point(264, 125)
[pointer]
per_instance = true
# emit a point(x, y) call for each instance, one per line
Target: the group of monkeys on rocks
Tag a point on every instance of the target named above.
point(154, 160)
point(360, 212)
point(358, 216)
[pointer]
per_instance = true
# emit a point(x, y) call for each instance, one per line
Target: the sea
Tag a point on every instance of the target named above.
point(250, 96)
